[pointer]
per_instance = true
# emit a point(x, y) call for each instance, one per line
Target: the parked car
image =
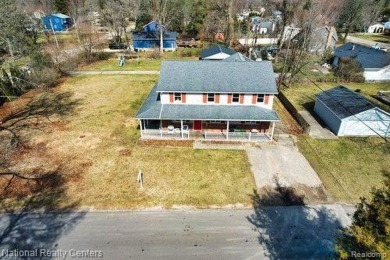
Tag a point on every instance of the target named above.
point(117, 46)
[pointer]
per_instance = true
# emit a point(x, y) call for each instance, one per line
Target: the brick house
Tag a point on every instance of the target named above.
point(218, 100)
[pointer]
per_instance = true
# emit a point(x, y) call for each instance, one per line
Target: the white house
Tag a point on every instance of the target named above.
point(347, 113)
point(224, 100)
point(376, 28)
point(375, 63)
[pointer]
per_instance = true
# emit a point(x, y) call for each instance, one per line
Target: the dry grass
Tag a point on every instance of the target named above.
point(348, 167)
point(96, 147)
point(303, 95)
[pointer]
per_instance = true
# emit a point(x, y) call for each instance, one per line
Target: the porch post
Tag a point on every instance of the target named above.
point(272, 131)
point(181, 129)
point(161, 129)
point(227, 130)
point(140, 128)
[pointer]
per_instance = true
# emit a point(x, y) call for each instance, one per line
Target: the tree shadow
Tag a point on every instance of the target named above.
point(40, 220)
point(294, 230)
point(35, 210)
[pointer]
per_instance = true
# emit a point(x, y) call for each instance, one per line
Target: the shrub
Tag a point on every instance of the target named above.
point(155, 54)
point(349, 70)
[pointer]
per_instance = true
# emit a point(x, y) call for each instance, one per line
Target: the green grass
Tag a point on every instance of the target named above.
point(97, 147)
point(303, 95)
point(348, 167)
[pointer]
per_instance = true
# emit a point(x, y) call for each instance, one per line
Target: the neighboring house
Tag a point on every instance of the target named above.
point(290, 32)
point(216, 52)
point(375, 63)
point(277, 14)
point(237, 57)
point(56, 22)
point(211, 100)
point(376, 28)
point(264, 26)
point(322, 39)
point(149, 38)
point(386, 28)
point(349, 114)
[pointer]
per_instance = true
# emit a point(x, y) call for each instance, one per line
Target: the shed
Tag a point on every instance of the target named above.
point(216, 52)
point(57, 22)
point(347, 113)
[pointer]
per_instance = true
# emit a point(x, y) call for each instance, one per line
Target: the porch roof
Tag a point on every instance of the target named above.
point(153, 109)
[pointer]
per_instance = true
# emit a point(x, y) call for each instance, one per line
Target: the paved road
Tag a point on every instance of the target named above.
point(368, 42)
point(266, 232)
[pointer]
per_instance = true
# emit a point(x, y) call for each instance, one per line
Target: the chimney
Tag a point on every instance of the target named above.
point(353, 46)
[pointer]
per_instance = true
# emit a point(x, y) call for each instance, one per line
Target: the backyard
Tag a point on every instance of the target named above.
point(94, 149)
point(348, 167)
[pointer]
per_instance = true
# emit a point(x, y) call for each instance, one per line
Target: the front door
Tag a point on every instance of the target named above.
point(197, 125)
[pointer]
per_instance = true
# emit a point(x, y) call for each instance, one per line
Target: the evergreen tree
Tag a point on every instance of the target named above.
point(370, 229)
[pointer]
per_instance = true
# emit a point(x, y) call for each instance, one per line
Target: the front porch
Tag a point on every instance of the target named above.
point(242, 131)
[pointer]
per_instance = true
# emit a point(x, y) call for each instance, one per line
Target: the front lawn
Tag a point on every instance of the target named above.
point(96, 156)
point(348, 167)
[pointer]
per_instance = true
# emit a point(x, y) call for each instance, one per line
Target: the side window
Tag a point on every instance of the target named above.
point(210, 97)
point(236, 98)
point(177, 97)
point(260, 98)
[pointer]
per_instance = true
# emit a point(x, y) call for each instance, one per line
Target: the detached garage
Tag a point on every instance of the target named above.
point(349, 114)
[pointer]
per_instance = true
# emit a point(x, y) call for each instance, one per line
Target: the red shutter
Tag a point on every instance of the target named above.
point(171, 97)
point(216, 98)
point(183, 98)
point(241, 98)
point(266, 98)
point(204, 98)
point(254, 98)
point(230, 97)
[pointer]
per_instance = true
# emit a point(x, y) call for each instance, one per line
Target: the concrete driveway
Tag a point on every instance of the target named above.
point(278, 167)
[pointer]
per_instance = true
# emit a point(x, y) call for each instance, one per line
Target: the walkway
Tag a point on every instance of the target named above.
point(316, 130)
point(113, 72)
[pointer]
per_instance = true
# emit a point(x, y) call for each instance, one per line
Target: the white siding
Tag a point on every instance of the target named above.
point(218, 56)
point(379, 75)
point(368, 123)
point(197, 99)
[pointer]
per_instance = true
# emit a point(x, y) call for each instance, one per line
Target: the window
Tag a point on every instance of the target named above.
point(260, 98)
point(210, 97)
point(236, 98)
point(177, 97)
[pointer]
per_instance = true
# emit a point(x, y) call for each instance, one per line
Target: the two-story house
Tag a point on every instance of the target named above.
point(220, 100)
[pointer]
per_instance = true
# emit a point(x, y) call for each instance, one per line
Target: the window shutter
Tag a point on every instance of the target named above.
point(266, 98)
point(241, 98)
point(183, 98)
point(170, 97)
point(230, 97)
point(216, 98)
point(254, 99)
point(204, 98)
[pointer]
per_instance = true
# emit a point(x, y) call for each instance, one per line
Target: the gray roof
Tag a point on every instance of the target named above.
point(215, 50)
point(217, 77)
point(369, 58)
point(237, 57)
point(153, 109)
point(344, 102)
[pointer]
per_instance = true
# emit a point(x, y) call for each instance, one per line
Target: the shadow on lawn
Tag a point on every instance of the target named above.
point(39, 222)
point(34, 207)
point(293, 230)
